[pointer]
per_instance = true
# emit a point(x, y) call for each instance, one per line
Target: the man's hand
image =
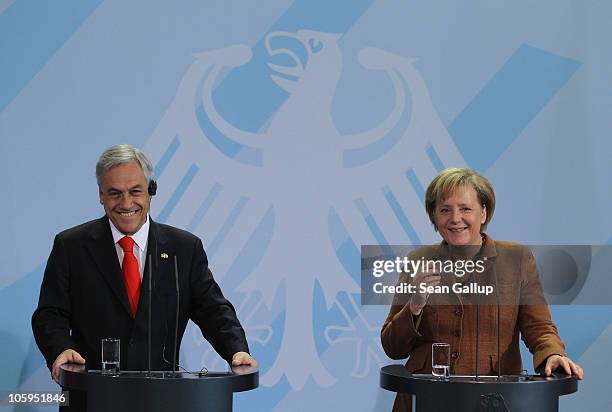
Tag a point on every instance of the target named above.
point(243, 358)
point(67, 356)
point(556, 361)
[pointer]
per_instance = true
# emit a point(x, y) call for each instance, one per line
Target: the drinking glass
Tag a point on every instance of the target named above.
point(111, 349)
point(440, 359)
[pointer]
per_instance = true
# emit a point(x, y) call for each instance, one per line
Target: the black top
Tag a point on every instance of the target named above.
point(83, 298)
point(397, 378)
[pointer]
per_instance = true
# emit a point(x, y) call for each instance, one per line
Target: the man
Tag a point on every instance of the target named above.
point(96, 281)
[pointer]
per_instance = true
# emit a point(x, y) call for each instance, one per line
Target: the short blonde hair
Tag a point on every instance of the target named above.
point(449, 180)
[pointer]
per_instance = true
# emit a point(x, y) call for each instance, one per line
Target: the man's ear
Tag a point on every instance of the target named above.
point(100, 195)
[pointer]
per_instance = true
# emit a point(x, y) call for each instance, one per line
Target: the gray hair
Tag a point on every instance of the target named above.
point(119, 154)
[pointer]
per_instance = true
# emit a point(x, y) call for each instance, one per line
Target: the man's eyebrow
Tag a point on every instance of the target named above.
point(113, 189)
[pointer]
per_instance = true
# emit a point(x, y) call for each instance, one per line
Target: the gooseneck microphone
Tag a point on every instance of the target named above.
point(150, 265)
point(176, 318)
point(477, 336)
point(498, 319)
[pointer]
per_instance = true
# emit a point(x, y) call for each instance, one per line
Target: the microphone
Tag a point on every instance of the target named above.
point(477, 336)
point(498, 319)
point(176, 318)
point(149, 316)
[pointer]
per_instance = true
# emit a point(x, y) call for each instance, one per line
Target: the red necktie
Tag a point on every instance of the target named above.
point(131, 273)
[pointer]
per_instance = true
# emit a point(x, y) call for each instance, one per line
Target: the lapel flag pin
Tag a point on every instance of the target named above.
point(164, 255)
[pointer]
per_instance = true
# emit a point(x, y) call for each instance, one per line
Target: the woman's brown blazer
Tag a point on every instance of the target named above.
point(523, 309)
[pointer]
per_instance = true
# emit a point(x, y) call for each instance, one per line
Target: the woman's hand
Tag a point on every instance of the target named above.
point(419, 298)
point(557, 361)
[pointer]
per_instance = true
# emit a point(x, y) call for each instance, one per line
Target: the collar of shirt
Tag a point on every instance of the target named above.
point(140, 237)
point(140, 243)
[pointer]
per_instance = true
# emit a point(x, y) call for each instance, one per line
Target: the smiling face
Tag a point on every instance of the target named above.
point(123, 193)
point(460, 217)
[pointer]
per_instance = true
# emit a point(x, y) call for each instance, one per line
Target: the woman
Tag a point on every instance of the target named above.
point(460, 203)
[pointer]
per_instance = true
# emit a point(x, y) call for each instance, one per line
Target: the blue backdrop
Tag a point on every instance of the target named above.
point(288, 133)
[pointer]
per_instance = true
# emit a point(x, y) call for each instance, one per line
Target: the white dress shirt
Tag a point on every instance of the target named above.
point(140, 244)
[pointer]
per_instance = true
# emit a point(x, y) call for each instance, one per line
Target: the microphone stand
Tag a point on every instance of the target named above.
point(477, 337)
point(498, 326)
point(150, 264)
point(176, 317)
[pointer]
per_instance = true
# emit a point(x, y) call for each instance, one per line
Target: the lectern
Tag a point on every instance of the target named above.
point(158, 391)
point(464, 393)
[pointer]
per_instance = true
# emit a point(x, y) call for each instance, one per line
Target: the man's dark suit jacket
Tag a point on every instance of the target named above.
point(83, 299)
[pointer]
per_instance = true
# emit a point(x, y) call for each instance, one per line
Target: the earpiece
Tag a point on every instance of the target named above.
point(152, 188)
